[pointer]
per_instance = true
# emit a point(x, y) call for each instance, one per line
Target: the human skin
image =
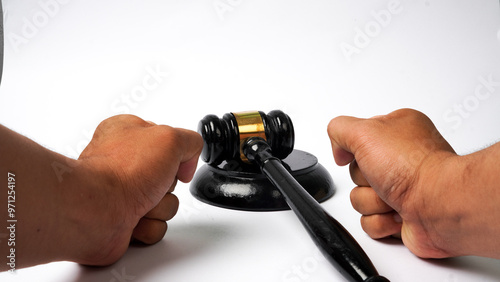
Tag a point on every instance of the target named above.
point(89, 210)
point(412, 184)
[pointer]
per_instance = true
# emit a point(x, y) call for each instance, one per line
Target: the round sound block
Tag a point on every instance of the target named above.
point(236, 185)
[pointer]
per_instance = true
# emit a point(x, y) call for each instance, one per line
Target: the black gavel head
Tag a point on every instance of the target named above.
point(224, 137)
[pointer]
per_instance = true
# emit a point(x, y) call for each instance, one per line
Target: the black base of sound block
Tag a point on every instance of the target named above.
point(237, 185)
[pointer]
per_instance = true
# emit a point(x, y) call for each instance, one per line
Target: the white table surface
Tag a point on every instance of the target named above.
point(70, 64)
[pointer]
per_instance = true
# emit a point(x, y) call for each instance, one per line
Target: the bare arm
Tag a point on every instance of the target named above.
point(37, 192)
point(411, 182)
point(88, 210)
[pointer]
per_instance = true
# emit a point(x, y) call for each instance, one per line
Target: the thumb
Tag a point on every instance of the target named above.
point(345, 137)
point(187, 169)
point(190, 148)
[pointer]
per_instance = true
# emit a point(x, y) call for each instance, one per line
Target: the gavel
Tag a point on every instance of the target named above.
point(264, 140)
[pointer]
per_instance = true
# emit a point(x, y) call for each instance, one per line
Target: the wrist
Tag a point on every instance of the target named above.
point(94, 229)
point(477, 201)
point(459, 210)
point(440, 206)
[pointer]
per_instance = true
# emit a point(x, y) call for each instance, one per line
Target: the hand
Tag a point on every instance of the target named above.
point(88, 210)
point(135, 166)
point(397, 161)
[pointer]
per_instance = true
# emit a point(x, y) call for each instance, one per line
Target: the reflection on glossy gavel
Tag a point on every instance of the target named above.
point(263, 140)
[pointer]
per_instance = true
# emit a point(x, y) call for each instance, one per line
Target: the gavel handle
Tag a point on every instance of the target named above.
point(334, 241)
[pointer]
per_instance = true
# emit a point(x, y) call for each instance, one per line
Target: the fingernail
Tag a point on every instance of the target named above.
point(397, 218)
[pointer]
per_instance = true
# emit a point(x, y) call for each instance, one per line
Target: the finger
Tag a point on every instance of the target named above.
point(366, 201)
point(149, 231)
point(356, 175)
point(381, 225)
point(165, 209)
point(344, 137)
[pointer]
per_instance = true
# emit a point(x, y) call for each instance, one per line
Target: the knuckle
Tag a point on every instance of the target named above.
point(169, 134)
point(407, 112)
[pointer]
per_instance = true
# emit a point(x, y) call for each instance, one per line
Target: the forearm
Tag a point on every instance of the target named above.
point(481, 180)
point(87, 210)
point(468, 219)
point(37, 174)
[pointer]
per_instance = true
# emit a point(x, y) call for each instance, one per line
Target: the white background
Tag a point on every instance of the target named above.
point(70, 64)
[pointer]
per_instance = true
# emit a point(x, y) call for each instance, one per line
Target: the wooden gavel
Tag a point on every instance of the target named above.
point(264, 140)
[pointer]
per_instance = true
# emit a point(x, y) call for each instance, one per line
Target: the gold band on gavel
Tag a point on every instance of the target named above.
point(250, 124)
